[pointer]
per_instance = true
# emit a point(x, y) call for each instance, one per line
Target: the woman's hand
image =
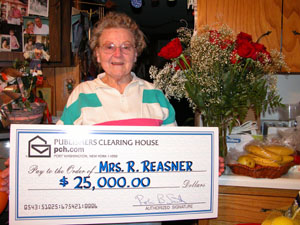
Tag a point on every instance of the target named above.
point(221, 165)
point(4, 175)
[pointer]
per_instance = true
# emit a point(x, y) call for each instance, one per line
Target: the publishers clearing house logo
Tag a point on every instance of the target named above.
point(38, 147)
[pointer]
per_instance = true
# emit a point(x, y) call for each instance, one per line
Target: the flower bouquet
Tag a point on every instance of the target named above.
point(221, 74)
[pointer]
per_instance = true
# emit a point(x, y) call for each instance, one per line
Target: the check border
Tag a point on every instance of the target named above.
point(118, 131)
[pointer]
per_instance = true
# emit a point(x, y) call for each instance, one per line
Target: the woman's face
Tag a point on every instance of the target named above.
point(116, 52)
point(30, 26)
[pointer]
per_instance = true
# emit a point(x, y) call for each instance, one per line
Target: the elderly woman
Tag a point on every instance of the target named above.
point(117, 96)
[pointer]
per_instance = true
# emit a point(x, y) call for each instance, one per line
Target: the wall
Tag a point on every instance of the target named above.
point(289, 89)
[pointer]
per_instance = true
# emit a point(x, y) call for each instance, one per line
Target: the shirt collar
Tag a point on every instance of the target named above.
point(100, 84)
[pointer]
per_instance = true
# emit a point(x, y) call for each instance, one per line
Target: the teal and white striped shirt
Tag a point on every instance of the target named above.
point(96, 103)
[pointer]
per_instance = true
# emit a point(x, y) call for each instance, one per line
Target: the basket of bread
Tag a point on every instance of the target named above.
point(269, 157)
point(264, 160)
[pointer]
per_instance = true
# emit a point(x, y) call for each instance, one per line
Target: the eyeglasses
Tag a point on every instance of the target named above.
point(110, 48)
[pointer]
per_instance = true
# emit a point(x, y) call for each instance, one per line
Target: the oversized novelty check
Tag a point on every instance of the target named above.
point(99, 174)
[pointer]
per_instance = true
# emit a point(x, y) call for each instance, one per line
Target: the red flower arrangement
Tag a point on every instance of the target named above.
point(221, 74)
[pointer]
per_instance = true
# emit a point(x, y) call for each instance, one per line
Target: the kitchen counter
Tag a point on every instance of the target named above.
point(290, 181)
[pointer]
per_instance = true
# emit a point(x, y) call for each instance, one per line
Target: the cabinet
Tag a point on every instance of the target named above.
point(257, 17)
point(248, 205)
point(291, 34)
point(254, 17)
point(59, 32)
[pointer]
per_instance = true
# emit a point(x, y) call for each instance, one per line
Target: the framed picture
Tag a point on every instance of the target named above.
point(38, 7)
point(36, 25)
point(5, 43)
point(15, 10)
point(46, 93)
point(3, 12)
point(12, 33)
point(31, 39)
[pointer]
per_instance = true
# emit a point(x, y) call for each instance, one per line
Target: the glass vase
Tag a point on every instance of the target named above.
point(215, 122)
